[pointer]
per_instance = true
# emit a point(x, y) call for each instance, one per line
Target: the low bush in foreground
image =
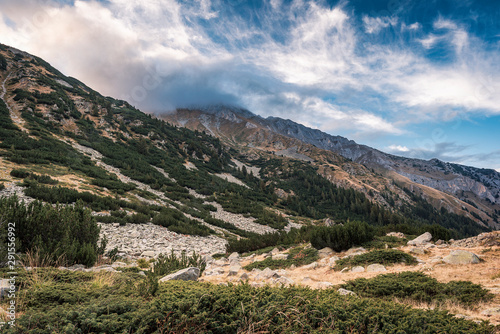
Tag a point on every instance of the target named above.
point(419, 287)
point(73, 302)
point(386, 257)
point(297, 256)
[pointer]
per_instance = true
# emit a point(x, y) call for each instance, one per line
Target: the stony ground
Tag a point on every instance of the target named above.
point(320, 274)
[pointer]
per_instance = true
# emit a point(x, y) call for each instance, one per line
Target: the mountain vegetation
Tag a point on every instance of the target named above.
point(74, 162)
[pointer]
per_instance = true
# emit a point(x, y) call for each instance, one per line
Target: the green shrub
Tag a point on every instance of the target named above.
point(176, 221)
point(2, 186)
point(386, 257)
point(74, 305)
point(20, 173)
point(167, 264)
point(419, 287)
point(341, 237)
point(297, 256)
point(142, 263)
point(255, 241)
point(69, 231)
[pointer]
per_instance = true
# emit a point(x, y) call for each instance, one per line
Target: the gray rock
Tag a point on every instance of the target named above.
point(333, 260)
point(324, 252)
point(417, 250)
point(142, 273)
point(213, 272)
point(356, 251)
point(324, 285)
point(283, 281)
point(396, 234)
point(491, 311)
point(421, 239)
point(376, 267)
point(244, 277)
point(233, 270)
point(148, 254)
point(280, 256)
point(313, 265)
point(234, 255)
point(268, 273)
point(274, 251)
point(357, 269)
point(344, 270)
point(187, 274)
point(461, 257)
point(345, 292)
point(221, 262)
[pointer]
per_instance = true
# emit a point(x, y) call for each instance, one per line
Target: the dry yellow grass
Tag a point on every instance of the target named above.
point(483, 273)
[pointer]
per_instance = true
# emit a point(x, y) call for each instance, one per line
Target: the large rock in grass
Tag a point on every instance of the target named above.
point(375, 268)
point(461, 257)
point(421, 239)
point(188, 274)
point(324, 252)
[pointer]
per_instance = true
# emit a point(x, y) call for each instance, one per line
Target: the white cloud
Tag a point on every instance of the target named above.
point(115, 46)
point(374, 24)
point(397, 148)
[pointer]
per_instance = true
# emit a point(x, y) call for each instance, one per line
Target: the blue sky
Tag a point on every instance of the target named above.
point(412, 78)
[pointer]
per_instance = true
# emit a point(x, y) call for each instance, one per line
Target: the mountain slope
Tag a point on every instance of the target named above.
point(62, 142)
point(467, 190)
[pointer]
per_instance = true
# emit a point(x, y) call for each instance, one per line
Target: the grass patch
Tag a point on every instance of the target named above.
point(298, 256)
point(385, 257)
point(419, 287)
point(75, 302)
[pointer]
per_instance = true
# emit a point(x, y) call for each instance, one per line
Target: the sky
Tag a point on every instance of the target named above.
point(414, 78)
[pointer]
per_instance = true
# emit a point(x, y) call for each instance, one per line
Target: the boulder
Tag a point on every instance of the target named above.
point(328, 222)
point(283, 281)
point(396, 234)
point(376, 267)
point(345, 292)
point(221, 262)
point(332, 261)
point(324, 285)
point(355, 251)
point(417, 250)
point(187, 274)
point(313, 265)
point(280, 256)
point(148, 254)
point(324, 252)
point(213, 272)
point(268, 273)
point(461, 257)
point(233, 270)
point(274, 251)
point(491, 311)
point(421, 239)
point(234, 255)
point(244, 277)
point(357, 269)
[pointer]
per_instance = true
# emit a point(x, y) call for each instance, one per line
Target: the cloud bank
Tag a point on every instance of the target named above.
point(329, 67)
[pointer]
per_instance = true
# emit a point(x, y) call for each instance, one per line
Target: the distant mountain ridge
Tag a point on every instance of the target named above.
point(238, 126)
